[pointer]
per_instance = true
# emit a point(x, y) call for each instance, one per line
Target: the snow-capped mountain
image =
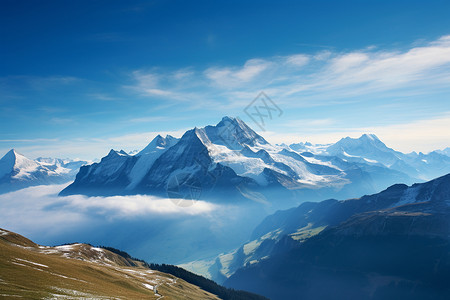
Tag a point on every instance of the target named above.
point(231, 162)
point(445, 151)
point(17, 171)
point(308, 147)
point(369, 150)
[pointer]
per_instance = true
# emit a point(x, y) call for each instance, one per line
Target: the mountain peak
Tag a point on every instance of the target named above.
point(228, 119)
point(234, 121)
point(14, 157)
point(7, 162)
point(363, 139)
point(159, 142)
point(233, 131)
point(114, 153)
point(11, 154)
point(14, 160)
point(369, 136)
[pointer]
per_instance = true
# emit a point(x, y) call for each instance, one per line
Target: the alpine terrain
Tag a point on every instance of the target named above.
point(231, 163)
point(81, 271)
point(390, 245)
point(17, 171)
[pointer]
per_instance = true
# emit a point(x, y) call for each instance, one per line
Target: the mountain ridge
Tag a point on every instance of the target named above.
point(231, 158)
point(18, 171)
point(394, 224)
point(84, 271)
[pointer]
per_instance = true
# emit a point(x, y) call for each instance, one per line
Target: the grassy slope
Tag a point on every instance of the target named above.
point(37, 272)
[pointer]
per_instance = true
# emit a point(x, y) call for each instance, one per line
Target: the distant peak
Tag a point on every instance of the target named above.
point(229, 119)
point(234, 131)
point(363, 137)
point(112, 152)
point(12, 155)
point(13, 152)
point(14, 160)
point(369, 136)
point(158, 142)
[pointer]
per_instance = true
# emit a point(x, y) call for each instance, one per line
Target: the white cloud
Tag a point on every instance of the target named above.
point(159, 84)
point(345, 63)
point(40, 207)
point(303, 80)
point(298, 60)
point(323, 55)
point(137, 205)
point(324, 78)
point(233, 77)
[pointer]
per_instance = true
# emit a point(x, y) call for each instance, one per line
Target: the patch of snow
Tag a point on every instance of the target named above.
point(308, 147)
point(249, 248)
point(409, 196)
point(66, 247)
point(348, 155)
point(22, 265)
point(65, 277)
point(149, 286)
point(70, 294)
point(371, 160)
point(313, 160)
point(30, 262)
point(142, 166)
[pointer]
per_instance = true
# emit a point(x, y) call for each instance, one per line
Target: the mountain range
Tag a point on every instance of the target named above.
point(390, 245)
point(17, 171)
point(229, 162)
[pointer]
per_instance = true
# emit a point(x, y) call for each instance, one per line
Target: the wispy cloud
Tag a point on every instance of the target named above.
point(298, 60)
point(231, 77)
point(84, 148)
point(158, 85)
point(306, 79)
point(102, 96)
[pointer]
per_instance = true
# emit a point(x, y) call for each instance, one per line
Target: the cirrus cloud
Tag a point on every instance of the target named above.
point(303, 79)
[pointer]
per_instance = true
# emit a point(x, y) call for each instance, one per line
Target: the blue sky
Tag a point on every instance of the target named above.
point(80, 77)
